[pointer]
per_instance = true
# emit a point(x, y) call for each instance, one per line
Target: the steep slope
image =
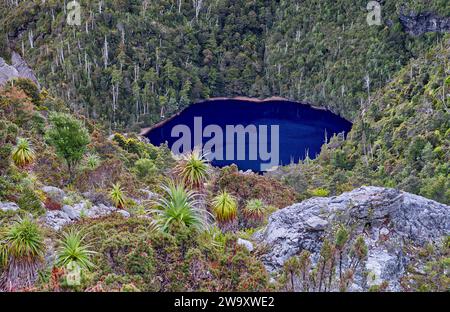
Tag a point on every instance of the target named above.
point(138, 61)
point(401, 139)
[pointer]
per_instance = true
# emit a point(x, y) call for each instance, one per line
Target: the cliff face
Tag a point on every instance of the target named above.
point(18, 69)
point(417, 24)
point(389, 221)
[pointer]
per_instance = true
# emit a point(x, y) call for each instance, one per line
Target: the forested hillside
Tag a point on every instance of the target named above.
point(135, 62)
point(401, 139)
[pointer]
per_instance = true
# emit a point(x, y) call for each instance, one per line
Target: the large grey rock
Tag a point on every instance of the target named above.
point(100, 211)
point(388, 219)
point(9, 206)
point(417, 24)
point(22, 68)
point(56, 194)
point(247, 244)
point(56, 219)
point(124, 213)
point(74, 213)
point(17, 69)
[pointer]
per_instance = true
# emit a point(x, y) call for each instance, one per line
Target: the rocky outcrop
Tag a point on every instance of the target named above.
point(8, 206)
point(17, 69)
point(387, 219)
point(419, 23)
point(54, 193)
point(56, 219)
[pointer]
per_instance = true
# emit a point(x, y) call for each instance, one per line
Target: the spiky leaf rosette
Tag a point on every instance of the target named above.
point(23, 153)
point(255, 210)
point(179, 206)
point(193, 169)
point(74, 249)
point(117, 195)
point(24, 249)
point(224, 207)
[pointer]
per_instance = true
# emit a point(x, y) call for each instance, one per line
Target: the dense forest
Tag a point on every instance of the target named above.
point(132, 63)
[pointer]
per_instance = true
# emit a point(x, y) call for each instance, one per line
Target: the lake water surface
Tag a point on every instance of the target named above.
point(302, 129)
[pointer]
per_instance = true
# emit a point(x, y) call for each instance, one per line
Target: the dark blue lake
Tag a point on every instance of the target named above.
point(272, 132)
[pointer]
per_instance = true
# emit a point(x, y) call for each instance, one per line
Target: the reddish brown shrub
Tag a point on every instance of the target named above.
point(246, 186)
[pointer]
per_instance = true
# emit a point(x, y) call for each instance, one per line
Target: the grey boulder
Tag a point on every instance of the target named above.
point(9, 206)
point(388, 219)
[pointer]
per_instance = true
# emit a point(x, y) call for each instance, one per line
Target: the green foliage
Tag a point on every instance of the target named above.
point(193, 169)
point(145, 168)
point(434, 274)
point(259, 48)
point(74, 249)
point(23, 154)
point(394, 143)
point(117, 195)
point(179, 207)
point(69, 137)
point(92, 161)
point(24, 240)
point(30, 89)
point(224, 206)
point(320, 192)
point(132, 253)
point(249, 186)
point(30, 201)
point(255, 210)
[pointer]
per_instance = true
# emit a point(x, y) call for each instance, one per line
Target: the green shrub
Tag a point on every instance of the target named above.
point(24, 250)
point(70, 139)
point(179, 207)
point(73, 248)
point(320, 192)
point(30, 201)
point(145, 168)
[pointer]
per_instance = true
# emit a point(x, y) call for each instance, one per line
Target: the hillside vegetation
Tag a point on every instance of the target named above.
point(135, 62)
point(81, 192)
point(401, 138)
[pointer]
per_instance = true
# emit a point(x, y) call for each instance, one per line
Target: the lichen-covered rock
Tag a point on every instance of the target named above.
point(56, 194)
point(9, 206)
point(388, 219)
point(418, 24)
point(247, 244)
point(56, 219)
point(17, 69)
point(124, 213)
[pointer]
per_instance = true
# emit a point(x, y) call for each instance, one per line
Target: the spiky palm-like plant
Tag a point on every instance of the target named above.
point(179, 206)
point(117, 195)
point(23, 252)
point(224, 206)
point(255, 210)
point(193, 169)
point(92, 161)
point(23, 153)
point(74, 249)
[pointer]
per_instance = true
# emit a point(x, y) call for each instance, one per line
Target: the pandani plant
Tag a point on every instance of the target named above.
point(193, 169)
point(117, 195)
point(224, 207)
point(22, 253)
point(23, 153)
point(73, 248)
point(179, 207)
